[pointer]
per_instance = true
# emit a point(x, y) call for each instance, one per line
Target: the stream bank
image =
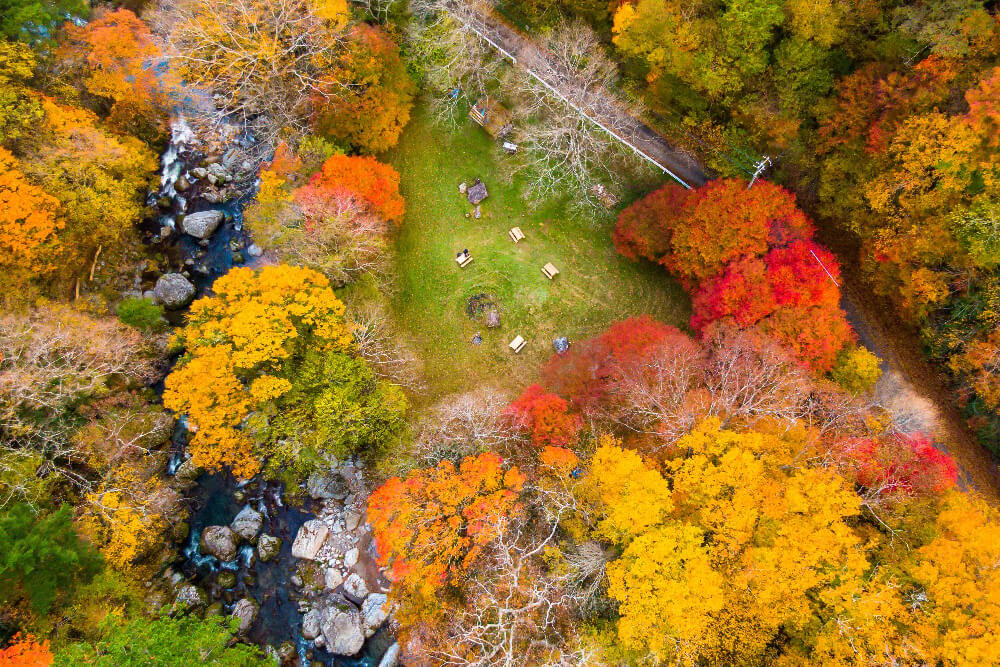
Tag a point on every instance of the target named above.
point(243, 553)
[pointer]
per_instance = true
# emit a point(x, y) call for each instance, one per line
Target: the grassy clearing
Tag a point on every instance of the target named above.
point(595, 286)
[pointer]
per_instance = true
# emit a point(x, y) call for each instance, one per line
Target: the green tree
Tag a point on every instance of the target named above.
point(42, 559)
point(30, 20)
point(164, 642)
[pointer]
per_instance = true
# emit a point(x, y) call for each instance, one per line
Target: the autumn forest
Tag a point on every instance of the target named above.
point(366, 333)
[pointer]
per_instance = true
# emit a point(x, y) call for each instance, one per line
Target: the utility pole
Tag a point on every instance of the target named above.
point(761, 166)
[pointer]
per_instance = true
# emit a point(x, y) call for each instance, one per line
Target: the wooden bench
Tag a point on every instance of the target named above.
point(463, 260)
point(516, 234)
point(550, 271)
point(518, 344)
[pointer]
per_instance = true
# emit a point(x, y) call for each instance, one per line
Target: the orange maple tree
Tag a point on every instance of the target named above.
point(433, 525)
point(365, 177)
point(122, 63)
point(29, 220)
point(694, 235)
point(25, 651)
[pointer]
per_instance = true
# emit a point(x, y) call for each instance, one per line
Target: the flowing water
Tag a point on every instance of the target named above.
point(213, 499)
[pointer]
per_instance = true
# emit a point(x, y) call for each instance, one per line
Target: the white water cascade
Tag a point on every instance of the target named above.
point(181, 137)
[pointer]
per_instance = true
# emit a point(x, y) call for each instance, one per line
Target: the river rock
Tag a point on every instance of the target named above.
point(327, 486)
point(351, 557)
point(310, 624)
point(332, 578)
point(254, 250)
point(391, 657)
point(226, 579)
point(247, 523)
point(351, 520)
point(341, 626)
point(202, 224)
point(173, 290)
point(182, 184)
point(286, 652)
point(245, 610)
point(355, 588)
point(373, 613)
point(268, 547)
point(219, 541)
point(190, 596)
point(199, 172)
point(309, 539)
point(188, 472)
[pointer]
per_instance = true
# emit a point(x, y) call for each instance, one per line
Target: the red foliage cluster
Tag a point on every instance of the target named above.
point(788, 293)
point(895, 465)
point(546, 416)
point(748, 258)
point(584, 373)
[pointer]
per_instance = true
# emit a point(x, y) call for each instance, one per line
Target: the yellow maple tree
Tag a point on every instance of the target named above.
point(237, 341)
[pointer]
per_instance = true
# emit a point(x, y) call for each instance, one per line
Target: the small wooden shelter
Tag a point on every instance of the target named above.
point(493, 116)
point(476, 193)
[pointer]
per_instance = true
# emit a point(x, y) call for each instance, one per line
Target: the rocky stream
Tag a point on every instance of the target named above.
point(300, 577)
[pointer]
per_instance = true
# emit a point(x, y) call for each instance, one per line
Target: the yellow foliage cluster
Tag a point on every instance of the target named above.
point(750, 544)
point(237, 341)
point(121, 520)
point(727, 552)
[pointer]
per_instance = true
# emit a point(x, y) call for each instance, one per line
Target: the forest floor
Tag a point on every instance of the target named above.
point(594, 288)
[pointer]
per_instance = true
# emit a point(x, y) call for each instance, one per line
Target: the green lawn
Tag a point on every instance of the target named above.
point(594, 288)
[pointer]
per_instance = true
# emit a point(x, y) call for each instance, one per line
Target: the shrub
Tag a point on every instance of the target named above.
point(857, 369)
point(141, 313)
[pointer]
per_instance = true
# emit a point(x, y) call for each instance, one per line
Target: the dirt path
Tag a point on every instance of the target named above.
point(604, 109)
point(910, 388)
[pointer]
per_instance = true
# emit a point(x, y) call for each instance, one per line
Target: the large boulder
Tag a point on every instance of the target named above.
point(309, 539)
point(173, 290)
point(341, 626)
point(327, 486)
point(355, 588)
point(268, 547)
point(373, 613)
point(247, 523)
point(190, 597)
point(203, 224)
point(245, 611)
point(219, 541)
point(391, 657)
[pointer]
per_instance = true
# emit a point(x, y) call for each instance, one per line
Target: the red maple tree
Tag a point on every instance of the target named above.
point(545, 416)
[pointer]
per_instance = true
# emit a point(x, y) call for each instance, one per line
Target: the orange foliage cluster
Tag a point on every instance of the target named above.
point(29, 220)
point(375, 183)
point(546, 416)
point(370, 113)
point(24, 651)
point(432, 526)
point(123, 62)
